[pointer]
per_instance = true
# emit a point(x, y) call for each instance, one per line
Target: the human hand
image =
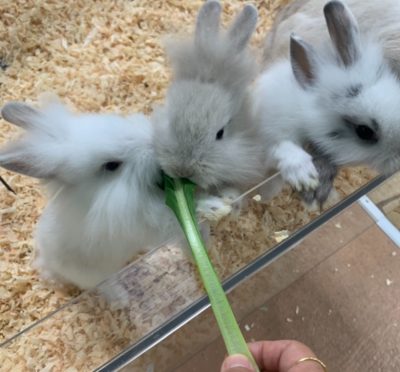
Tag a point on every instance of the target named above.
point(275, 356)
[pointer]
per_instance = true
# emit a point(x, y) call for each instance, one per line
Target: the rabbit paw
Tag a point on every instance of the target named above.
point(300, 173)
point(320, 194)
point(213, 208)
point(230, 195)
point(327, 171)
point(296, 166)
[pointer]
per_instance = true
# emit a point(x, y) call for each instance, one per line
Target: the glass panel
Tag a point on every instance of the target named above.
point(160, 291)
point(387, 199)
point(299, 293)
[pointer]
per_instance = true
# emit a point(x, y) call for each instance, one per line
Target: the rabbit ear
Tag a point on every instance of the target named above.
point(20, 114)
point(243, 27)
point(25, 159)
point(303, 60)
point(31, 160)
point(36, 156)
point(343, 30)
point(207, 25)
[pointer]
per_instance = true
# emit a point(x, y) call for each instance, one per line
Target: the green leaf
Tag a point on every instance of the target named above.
point(180, 198)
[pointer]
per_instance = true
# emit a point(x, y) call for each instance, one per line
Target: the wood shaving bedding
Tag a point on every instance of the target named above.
point(107, 56)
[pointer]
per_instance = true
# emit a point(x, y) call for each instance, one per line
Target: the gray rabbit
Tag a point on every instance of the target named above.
point(205, 131)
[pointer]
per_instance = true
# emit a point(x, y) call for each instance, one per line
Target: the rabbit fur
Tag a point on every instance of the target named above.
point(100, 173)
point(343, 99)
point(205, 131)
point(379, 18)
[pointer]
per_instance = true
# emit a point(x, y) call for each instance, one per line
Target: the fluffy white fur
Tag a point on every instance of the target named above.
point(210, 92)
point(293, 109)
point(96, 219)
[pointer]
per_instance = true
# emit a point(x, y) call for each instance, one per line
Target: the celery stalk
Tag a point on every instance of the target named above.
point(180, 198)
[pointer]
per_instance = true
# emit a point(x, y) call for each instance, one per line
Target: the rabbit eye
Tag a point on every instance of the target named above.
point(220, 134)
point(365, 133)
point(112, 166)
point(362, 131)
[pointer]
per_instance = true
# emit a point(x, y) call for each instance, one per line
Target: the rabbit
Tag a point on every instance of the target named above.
point(101, 176)
point(304, 17)
point(205, 130)
point(342, 99)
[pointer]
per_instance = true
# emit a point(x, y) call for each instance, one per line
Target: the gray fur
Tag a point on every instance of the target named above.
point(354, 91)
point(243, 27)
point(213, 71)
point(343, 31)
point(22, 158)
point(207, 25)
point(212, 57)
point(327, 171)
point(185, 140)
point(20, 114)
point(302, 57)
point(305, 18)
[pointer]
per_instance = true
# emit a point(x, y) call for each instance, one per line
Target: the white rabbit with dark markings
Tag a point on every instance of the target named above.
point(205, 131)
point(102, 178)
point(343, 100)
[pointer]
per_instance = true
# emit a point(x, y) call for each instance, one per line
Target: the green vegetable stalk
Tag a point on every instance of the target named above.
point(180, 198)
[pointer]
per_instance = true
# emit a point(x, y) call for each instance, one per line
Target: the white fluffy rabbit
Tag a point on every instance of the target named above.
point(205, 132)
point(101, 175)
point(342, 100)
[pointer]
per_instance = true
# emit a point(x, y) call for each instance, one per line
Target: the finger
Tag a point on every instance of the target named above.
point(237, 363)
point(282, 356)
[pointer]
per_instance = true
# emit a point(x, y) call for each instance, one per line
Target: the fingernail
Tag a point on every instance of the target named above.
point(237, 363)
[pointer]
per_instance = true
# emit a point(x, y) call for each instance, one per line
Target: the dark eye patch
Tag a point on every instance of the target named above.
point(112, 166)
point(353, 91)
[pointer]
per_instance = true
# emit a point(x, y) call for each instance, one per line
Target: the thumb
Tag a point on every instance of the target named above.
point(237, 363)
